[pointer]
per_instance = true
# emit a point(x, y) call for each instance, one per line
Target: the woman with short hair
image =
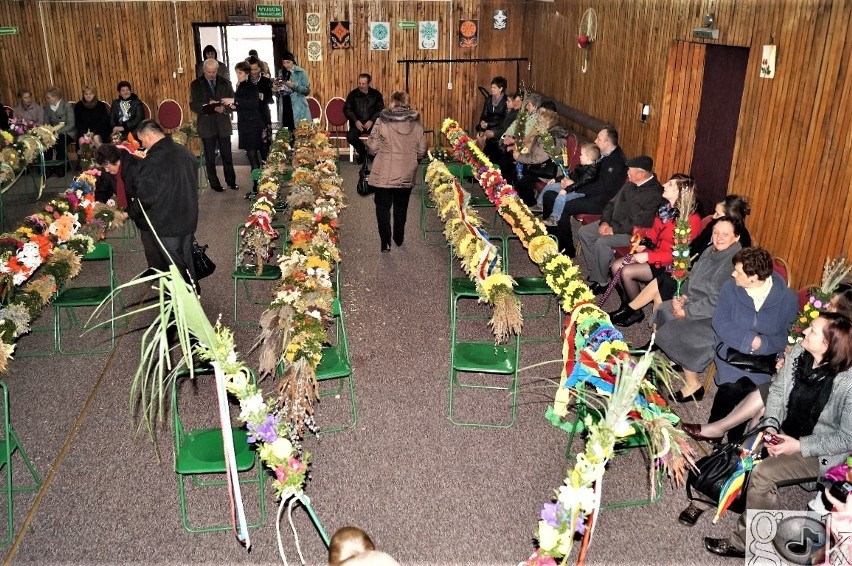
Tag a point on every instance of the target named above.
point(127, 111)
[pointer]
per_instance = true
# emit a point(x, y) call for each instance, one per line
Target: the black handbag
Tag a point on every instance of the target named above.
point(363, 186)
point(705, 484)
point(204, 266)
point(749, 363)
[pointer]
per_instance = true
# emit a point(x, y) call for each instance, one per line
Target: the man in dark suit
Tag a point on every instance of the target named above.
point(634, 206)
point(612, 173)
point(214, 129)
point(264, 88)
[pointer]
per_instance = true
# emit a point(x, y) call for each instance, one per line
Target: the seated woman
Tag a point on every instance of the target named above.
point(655, 256)
point(92, 117)
point(684, 329)
point(751, 408)
point(58, 111)
point(544, 141)
point(808, 404)
point(493, 112)
point(664, 287)
point(127, 111)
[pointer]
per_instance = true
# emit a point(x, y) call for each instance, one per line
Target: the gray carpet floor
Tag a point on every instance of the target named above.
point(428, 492)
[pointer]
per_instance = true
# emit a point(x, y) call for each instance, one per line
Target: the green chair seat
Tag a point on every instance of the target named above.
point(202, 452)
point(82, 296)
point(334, 364)
point(484, 357)
point(249, 272)
point(531, 286)
point(463, 287)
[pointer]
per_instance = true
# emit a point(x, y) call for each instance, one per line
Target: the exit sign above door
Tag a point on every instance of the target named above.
point(269, 12)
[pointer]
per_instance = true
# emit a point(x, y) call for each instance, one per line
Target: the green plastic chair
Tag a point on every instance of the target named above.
point(245, 274)
point(638, 440)
point(200, 452)
point(9, 444)
point(531, 286)
point(125, 237)
point(336, 367)
point(86, 297)
point(464, 287)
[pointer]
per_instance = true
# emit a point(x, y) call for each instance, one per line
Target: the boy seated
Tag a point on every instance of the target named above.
point(585, 173)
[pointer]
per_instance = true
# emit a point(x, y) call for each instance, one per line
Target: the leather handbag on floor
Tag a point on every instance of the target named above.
point(363, 186)
point(705, 485)
point(204, 266)
point(749, 363)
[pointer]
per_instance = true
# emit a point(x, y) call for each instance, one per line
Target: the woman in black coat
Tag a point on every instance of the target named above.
point(127, 111)
point(92, 115)
point(250, 123)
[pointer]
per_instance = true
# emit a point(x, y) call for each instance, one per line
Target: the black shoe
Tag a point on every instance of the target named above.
point(597, 288)
point(698, 395)
point(690, 515)
point(250, 195)
point(621, 311)
point(217, 188)
point(386, 248)
point(234, 187)
point(721, 547)
point(629, 318)
point(398, 241)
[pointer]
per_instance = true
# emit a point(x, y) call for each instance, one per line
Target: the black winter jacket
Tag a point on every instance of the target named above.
point(167, 188)
point(364, 107)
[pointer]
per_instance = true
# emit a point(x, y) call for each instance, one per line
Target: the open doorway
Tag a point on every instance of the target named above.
point(234, 41)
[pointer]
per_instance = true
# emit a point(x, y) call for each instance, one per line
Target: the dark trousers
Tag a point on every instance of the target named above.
point(525, 186)
point(572, 207)
point(178, 250)
point(387, 199)
point(353, 136)
point(728, 396)
point(224, 145)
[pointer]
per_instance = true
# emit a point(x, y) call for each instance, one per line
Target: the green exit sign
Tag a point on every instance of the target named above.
point(8, 31)
point(270, 12)
point(406, 24)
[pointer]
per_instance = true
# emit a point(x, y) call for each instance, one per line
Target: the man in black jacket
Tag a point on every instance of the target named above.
point(167, 189)
point(634, 206)
point(611, 175)
point(363, 106)
point(264, 88)
point(214, 129)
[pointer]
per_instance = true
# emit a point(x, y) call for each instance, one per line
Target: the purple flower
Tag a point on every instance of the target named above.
point(266, 432)
point(581, 524)
point(551, 513)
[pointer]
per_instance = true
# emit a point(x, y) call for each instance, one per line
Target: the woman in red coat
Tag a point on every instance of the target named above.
point(655, 255)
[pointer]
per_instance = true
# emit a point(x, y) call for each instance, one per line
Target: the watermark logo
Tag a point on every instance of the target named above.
point(798, 537)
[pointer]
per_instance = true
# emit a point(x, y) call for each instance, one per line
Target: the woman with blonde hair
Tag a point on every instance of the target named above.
point(544, 141)
point(398, 144)
point(92, 116)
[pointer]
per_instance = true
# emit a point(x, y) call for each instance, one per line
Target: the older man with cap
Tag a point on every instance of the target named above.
point(633, 206)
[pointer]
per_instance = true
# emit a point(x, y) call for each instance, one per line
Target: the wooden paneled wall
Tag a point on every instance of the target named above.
point(793, 148)
point(103, 42)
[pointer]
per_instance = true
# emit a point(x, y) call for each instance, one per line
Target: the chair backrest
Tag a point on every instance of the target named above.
point(572, 149)
point(706, 220)
point(170, 114)
point(315, 108)
point(804, 295)
point(334, 116)
point(779, 266)
point(146, 111)
point(8, 110)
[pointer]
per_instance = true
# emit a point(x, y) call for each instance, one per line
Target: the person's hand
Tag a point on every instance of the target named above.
point(639, 249)
point(678, 312)
point(604, 229)
point(679, 302)
point(839, 506)
point(489, 134)
point(515, 154)
point(260, 95)
point(788, 445)
point(368, 124)
point(291, 84)
point(118, 129)
point(360, 125)
point(483, 124)
point(755, 344)
point(228, 101)
point(563, 192)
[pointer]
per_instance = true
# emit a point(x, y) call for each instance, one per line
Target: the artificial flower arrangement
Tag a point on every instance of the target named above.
point(44, 252)
point(479, 258)
point(86, 151)
point(186, 133)
point(594, 353)
point(293, 328)
point(681, 259)
point(834, 272)
point(21, 145)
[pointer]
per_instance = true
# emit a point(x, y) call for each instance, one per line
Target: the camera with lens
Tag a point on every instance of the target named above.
point(840, 490)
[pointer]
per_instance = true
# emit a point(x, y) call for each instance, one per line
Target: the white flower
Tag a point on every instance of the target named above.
point(282, 448)
point(315, 313)
point(582, 498)
point(251, 405)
